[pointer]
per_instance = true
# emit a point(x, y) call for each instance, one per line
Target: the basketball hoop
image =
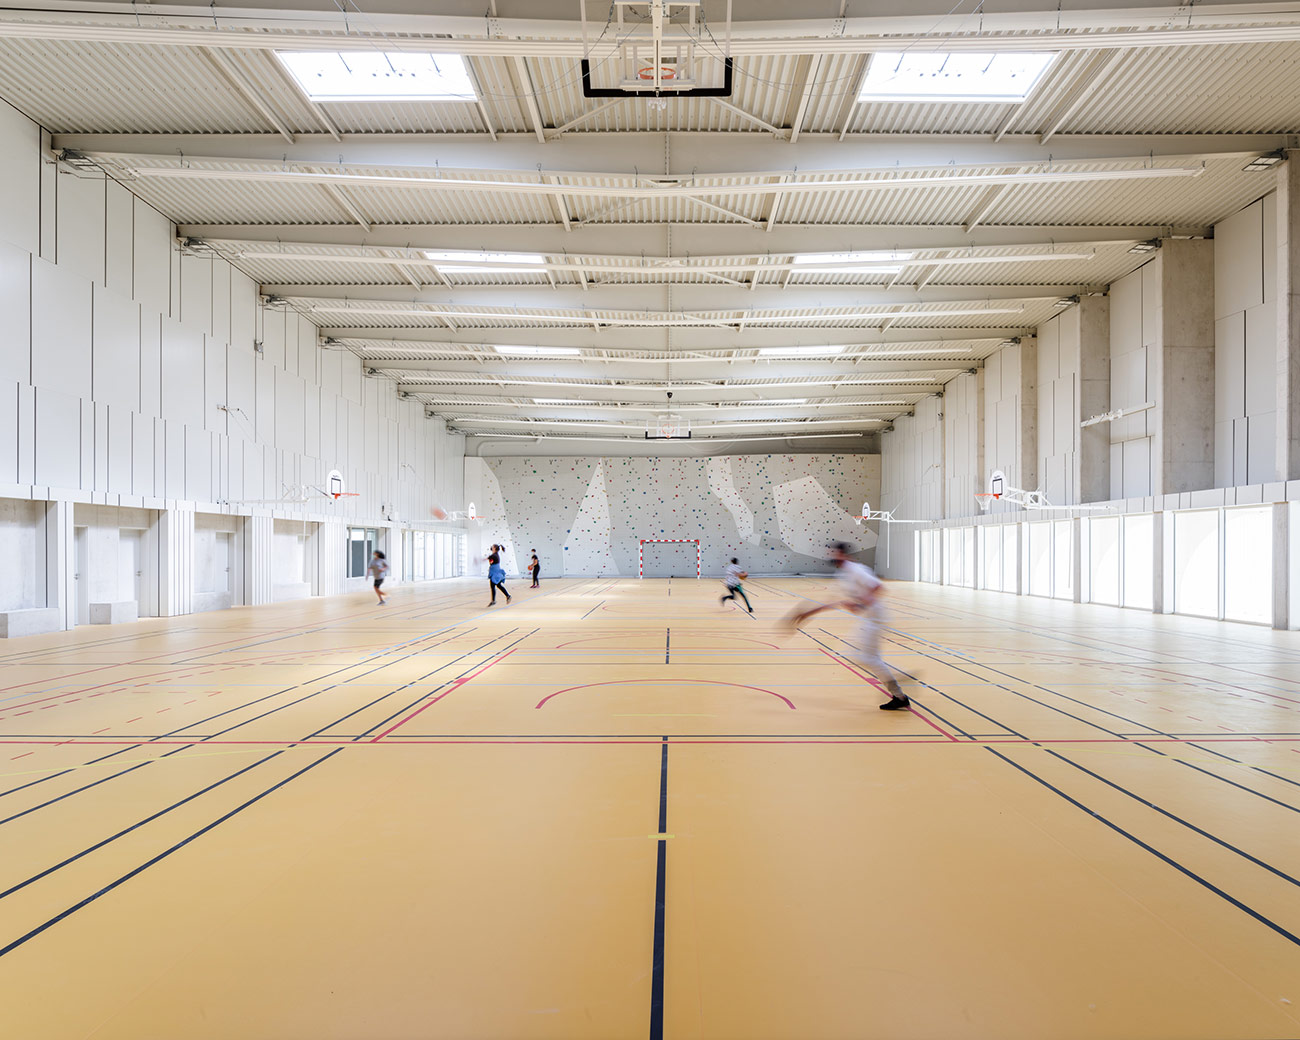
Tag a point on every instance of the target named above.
point(665, 72)
point(996, 486)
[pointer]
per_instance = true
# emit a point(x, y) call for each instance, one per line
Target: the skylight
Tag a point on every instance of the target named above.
point(941, 76)
point(539, 351)
point(778, 400)
point(563, 400)
point(799, 351)
point(379, 75)
point(462, 261)
point(874, 261)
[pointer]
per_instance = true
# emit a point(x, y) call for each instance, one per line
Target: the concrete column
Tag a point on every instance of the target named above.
point(1162, 560)
point(1028, 417)
point(60, 561)
point(1281, 564)
point(327, 549)
point(1092, 457)
point(1287, 451)
point(1079, 531)
point(256, 543)
point(171, 555)
point(1184, 441)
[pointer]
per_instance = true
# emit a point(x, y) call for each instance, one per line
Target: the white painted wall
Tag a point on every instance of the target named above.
point(1245, 345)
point(1134, 336)
point(135, 376)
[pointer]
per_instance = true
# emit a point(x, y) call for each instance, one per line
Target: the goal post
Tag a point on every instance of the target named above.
point(640, 552)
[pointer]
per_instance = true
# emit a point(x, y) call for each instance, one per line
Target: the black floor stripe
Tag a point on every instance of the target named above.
point(661, 896)
point(158, 858)
point(1289, 936)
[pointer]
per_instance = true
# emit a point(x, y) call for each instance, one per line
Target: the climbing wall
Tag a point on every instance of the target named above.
point(773, 512)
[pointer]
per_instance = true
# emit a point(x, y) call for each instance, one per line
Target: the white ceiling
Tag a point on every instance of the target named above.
point(669, 232)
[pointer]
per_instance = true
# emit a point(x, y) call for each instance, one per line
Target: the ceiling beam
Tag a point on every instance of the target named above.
point(691, 297)
point(694, 154)
point(617, 341)
point(202, 169)
point(1055, 29)
point(687, 239)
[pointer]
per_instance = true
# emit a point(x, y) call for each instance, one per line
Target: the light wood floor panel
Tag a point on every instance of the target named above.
point(327, 819)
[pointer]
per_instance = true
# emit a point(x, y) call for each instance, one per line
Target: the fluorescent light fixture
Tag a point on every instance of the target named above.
point(799, 351)
point(463, 262)
point(775, 400)
point(1149, 246)
point(379, 75)
point(875, 261)
point(1264, 162)
point(941, 76)
point(538, 351)
point(564, 400)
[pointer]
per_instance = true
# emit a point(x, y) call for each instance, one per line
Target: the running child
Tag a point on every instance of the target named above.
point(732, 579)
point(497, 575)
point(862, 593)
point(379, 571)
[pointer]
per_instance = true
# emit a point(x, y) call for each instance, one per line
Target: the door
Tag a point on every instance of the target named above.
point(130, 564)
point(82, 575)
point(223, 553)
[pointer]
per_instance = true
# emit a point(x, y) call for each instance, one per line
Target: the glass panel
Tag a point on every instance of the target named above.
point(1040, 559)
point(1010, 556)
point(968, 557)
point(1196, 563)
point(992, 558)
point(1248, 564)
point(1139, 561)
point(1104, 561)
point(1063, 559)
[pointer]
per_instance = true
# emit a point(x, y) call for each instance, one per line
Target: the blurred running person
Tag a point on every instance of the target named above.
point(497, 575)
point(732, 579)
point(862, 592)
point(536, 567)
point(379, 571)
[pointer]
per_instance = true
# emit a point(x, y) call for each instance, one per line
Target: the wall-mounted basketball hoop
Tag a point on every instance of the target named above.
point(668, 428)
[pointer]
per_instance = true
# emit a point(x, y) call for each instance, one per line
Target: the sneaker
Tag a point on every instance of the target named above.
point(896, 703)
point(751, 610)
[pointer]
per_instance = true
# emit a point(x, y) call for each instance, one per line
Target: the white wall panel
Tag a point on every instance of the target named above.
point(115, 375)
point(79, 224)
point(1261, 359)
point(26, 434)
point(9, 431)
point(265, 418)
point(1137, 468)
point(1239, 261)
point(15, 313)
point(142, 455)
point(1230, 366)
point(273, 336)
point(61, 315)
point(196, 291)
point(243, 311)
point(1126, 314)
point(290, 411)
point(1260, 447)
point(214, 385)
point(1269, 206)
point(151, 259)
point(20, 171)
point(119, 239)
point(1240, 429)
point(58, 439)
point(221, 301)
point(151, 365)
point(198, 465)
point(182, 371)
point(241, 393)
point(119, 449)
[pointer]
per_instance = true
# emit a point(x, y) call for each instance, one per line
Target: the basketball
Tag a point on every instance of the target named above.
point(438, 513)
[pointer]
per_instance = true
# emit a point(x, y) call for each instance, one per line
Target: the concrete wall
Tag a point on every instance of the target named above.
point(136, 376)
point(775, 513)
point(1245, 345)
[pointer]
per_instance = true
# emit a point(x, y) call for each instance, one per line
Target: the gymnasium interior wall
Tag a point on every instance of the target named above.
point(1190, 508)
point(153, 405)
point(587, 515)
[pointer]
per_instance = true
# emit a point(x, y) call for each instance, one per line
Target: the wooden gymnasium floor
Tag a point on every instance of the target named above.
point(329, 820)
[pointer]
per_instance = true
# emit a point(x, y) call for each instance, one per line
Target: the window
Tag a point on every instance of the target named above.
point(362, 541)
point(1063, 559)
point(992, 558)
point(1139, 561)
point(940, 76)
point(1040, 558)
point(1248, 564)
point(379, 75)
point(1196, 563)
point(1103, 563)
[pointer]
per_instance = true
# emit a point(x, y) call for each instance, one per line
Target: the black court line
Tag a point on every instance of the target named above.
point(161, 856)
point(1289, 936)
point(661, 896)
point(592, 611)
point(63, 772)
point(668, 643)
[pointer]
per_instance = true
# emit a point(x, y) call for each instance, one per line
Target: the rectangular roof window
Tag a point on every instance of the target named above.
point(379, 75)
point(870, 261)
point(799, 351)
point(941, 76)
point(539, 351)
point(464, 261)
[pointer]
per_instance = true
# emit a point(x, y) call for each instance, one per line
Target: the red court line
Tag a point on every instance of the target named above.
point(876, 684)
point(652, 682)
point(892, 741)
point(455, 685)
